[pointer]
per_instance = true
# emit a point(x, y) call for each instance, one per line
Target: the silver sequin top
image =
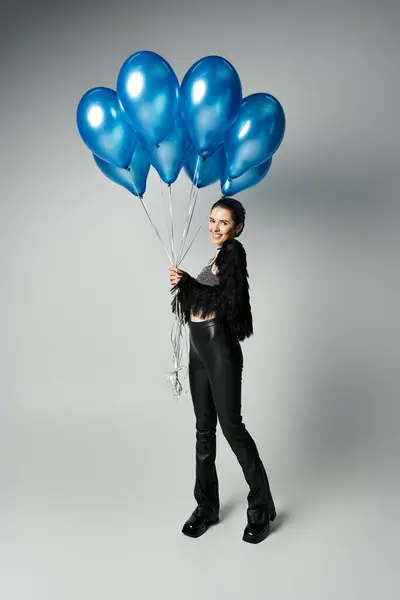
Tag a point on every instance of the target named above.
point(207, 277)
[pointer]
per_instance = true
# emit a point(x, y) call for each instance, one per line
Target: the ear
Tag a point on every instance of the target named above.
point(239, 228)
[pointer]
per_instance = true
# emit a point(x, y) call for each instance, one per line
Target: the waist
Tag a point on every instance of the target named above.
point(203, 323)
point(196, 317)
point(211, 329)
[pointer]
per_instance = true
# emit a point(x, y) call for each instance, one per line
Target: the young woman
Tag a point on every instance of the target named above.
point(216, 305)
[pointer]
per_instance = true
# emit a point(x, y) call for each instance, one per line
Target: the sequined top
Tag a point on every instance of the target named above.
point(207, 277)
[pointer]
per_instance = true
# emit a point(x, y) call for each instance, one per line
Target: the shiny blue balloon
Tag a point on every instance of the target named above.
point(148, 90)
point(252, 176)
point(255, 135)
point(210, 99)
point(134, 178)
point(103, 127)
point(168, 156)
point(139, 168)
point(208, 169)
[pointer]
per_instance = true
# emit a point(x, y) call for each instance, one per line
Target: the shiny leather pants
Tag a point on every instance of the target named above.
point(215, 377)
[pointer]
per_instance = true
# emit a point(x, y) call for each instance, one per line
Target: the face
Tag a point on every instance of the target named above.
point(221, 225)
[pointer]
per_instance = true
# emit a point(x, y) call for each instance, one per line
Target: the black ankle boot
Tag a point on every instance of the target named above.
point(198, 523)
point(257, 528)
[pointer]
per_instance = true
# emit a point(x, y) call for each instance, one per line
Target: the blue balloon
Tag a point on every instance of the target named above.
point(252, 176)
point(139, 169)
point(148, 90)
point(255, 135)
point(208, 169)
point(103, 127)
point(168, 156)
point(210, 99)
point(134, 178)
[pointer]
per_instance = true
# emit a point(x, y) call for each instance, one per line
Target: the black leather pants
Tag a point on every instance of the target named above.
point(215, 377)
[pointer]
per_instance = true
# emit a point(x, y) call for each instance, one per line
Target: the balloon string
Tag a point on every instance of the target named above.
point(172, 223)
point(178, 329)
point(156, 230)
point(187, 219)
point(192, 204)
point(150, 219)
point(188, 215)
point(168, 223)
point(195, 196)
point(190, 245)
point(177, 332)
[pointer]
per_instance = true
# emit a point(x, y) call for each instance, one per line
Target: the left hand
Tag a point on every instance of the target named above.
point(175, 275)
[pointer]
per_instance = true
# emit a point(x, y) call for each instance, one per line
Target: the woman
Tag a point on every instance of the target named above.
point(216, 305)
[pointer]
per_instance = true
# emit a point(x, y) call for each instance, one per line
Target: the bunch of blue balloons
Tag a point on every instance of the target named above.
point(204, 125)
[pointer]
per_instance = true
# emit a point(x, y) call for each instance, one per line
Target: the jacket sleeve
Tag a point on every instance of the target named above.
point(234, 297)
point(191, 295)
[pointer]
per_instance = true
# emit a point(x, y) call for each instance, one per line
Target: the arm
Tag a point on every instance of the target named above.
point(235, 298)
point(191, 295)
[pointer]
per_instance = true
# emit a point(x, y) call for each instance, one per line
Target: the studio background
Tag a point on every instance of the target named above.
point(97, 467)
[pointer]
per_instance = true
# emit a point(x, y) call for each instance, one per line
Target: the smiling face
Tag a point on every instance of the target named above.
point(221, 225)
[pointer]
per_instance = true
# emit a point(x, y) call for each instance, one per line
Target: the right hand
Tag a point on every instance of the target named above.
point(175, 275)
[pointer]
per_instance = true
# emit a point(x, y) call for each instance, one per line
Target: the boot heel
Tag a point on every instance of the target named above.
point(272, 512)
point(214, 520)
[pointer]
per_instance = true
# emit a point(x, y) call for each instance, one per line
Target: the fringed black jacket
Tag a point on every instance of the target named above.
point(229, 299)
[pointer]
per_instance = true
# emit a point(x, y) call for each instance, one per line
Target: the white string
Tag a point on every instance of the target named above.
point(151, 221)
point(172, 224)
point(178, 329)
point(192, 203)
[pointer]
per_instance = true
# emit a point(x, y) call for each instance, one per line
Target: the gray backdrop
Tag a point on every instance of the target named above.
point(97, 468)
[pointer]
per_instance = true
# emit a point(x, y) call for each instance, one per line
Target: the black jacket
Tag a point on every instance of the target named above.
point(229, 299)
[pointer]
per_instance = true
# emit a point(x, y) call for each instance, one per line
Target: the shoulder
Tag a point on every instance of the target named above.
point(232, 250)
point(232, 247)
point(231, 260)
